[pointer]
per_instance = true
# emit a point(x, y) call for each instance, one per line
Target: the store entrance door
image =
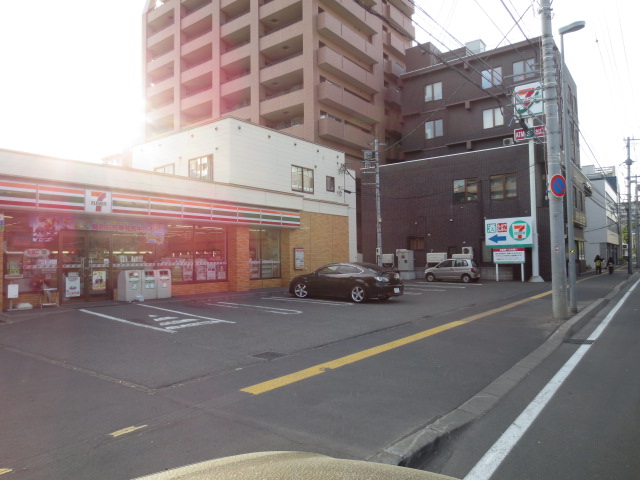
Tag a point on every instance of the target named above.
point(86, 267)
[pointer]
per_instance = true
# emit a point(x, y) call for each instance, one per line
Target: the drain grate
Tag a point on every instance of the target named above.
point(579, 341)
point(268, 355)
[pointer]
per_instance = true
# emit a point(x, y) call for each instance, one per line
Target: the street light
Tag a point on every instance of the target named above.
point(568, 167)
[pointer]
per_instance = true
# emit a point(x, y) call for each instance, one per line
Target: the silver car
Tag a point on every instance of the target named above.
point(464, 269)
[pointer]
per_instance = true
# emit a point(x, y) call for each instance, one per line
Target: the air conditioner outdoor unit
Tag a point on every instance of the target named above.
point(468, 251)
point(508, 141)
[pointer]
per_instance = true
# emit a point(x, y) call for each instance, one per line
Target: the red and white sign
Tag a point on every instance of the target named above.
point(97, 201)
point(520, 134)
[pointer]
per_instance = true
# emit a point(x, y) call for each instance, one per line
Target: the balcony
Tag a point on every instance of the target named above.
point(193, 99)
point(236, 38)
point(283, 106)
point(189, 7)
point(160, 44)
point(392, 96)
point(157, 88)
point(289, 67)
point(159, 18)
point(393, 68)
point(198, 24)
point(232, 8)
point(234, 84)
point(234, 55)
point(367, 23)
point(238, 23)
point(405, 5)
point(344, 101)
point(195, 71)
point(202, 44)
point(333, 29)
point(392, 41)
point(334, 131)
point(342, 67)
point(161, 111)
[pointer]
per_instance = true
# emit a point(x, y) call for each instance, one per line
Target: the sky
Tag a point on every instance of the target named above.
point(74, 88)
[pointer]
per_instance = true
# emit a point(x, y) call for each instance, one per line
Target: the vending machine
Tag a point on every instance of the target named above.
point(149, 284)
point(163, 283)
point(129, 287)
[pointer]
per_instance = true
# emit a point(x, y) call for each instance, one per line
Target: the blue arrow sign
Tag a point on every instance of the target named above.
point(496, 239)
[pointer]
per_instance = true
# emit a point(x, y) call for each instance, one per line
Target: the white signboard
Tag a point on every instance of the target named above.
point(72, 287)
point(508, 255)
point(436, 257)
point(508, 232)
point(527, 100)
point(12, 291)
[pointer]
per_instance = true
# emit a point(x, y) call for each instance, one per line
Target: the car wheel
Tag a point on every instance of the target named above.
point(430, 277)
point(358, 294)
point(300, 290)
point(466, 278)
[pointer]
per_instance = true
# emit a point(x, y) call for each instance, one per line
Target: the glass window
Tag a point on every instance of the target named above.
point(433, 129)
point(492, 117)
point(331, 184)
point(491, 77)
point(433, 91)
point(210, 244)
point(170, 169)
point(201, 167)
point(503, 186)
point(301, 179)
point(524, 69)
point(465, 191)
point(176, 253)
point(328, 270)
point(264, 253)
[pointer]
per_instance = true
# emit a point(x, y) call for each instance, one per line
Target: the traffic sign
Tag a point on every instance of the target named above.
point(558, 185)
point(508, 232)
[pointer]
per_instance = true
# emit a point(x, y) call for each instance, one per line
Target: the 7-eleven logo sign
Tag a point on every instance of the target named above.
point(97, 201)
point(520, 230)
point(528, 100)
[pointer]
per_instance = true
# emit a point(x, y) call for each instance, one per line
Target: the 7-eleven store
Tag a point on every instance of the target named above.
point(76, 226)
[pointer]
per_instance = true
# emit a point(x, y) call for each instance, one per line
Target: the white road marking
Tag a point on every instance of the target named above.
point(177, 322)
point(125, 321)
point(494, 457)
point(162, 319)
point(214, 320)
point(187, 325)
point(305, 300)
point(281, 311)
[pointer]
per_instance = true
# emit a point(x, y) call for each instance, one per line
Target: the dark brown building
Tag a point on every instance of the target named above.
point(460, 164)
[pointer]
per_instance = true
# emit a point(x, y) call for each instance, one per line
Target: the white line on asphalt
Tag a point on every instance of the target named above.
point(414, 293)
point(185, 314)
point(178, 322)
point(125, 321)
point(440, 285)
point(494, 457)
point(187, 325)
point(281, 311)
point(162, 319)
point(305, 300)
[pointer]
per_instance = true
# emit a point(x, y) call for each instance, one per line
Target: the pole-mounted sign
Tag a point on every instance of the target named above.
point(508, 232)
point(558, 185)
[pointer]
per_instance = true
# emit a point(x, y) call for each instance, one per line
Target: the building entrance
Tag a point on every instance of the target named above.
point(86, 266)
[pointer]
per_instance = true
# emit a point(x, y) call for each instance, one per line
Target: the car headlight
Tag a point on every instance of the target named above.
point(382, 279)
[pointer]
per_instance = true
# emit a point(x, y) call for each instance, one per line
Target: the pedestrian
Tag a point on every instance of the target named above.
point(598, 262)
point(610, 265)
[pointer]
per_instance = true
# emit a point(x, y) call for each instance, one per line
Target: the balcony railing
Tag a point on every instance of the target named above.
point(277, 29)
point(231, 19)
point(270, 64)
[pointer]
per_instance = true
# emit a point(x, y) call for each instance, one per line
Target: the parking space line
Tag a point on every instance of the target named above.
point(305, 300)
point(122, 320)
point(124, 431)
point(213, 320)
point(187, 325)
point(281, 311)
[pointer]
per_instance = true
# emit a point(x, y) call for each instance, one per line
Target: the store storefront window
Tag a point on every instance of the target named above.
point(264, 252)
point(211, 253)
point(176, 253)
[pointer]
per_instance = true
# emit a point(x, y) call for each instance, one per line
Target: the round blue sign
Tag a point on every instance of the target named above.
point(558, 185)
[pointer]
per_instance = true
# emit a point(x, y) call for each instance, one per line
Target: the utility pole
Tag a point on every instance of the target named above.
point(556, 207)
point(372, 166)
point(628, 161)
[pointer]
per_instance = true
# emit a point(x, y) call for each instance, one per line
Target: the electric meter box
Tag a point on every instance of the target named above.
point(149, 290)
point(405, 260)
point(129, 285)
point(163, 283)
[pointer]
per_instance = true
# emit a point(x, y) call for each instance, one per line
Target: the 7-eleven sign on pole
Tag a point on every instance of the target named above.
point(528, 100)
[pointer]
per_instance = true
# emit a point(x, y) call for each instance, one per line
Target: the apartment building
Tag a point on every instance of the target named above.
point(326, 71)
point(462, 161)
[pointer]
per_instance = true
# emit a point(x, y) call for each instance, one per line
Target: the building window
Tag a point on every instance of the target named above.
point(201, 167)
point(170, 169)
point(492, 117)
point(264, 253)
point(465, 191)
point(503, 186)
point(432, 92)
point(331, 184)
point(415, 243)
point(492, 77)
point(433, 129)
point(524, 69)
point(301, 179)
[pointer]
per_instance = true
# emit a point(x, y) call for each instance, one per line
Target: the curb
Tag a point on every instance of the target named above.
point(411, 450)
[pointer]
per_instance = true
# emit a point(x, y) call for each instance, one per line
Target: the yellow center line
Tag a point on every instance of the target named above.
point(124, 431)
point(370, 352)
point(5, 470)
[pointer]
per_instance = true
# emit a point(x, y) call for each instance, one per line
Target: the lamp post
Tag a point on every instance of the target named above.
point(568, 166)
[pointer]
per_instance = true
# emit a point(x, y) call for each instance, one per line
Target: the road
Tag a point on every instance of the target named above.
point(575, 417)
point(122, 390)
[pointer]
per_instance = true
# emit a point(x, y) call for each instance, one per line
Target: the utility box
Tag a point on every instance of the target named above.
point(129, 285)
point(163, 283)
point(405, 260)
point(387, 260)
point(149, 284)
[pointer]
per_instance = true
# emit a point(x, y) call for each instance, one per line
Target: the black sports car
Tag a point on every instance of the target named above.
point(359, 281)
